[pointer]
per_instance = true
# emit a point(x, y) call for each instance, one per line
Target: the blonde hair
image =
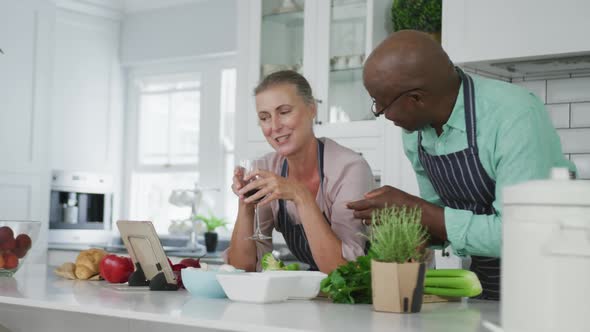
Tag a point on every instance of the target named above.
point(287, 77)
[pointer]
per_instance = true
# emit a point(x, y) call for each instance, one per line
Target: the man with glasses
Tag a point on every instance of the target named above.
point(467, 138)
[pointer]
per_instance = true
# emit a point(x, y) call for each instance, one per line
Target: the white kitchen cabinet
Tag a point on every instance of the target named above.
point(326, 41)
point(480, 30)
point(87, 120)
point(26, 32)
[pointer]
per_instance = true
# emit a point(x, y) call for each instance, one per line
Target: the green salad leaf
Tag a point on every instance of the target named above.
point(270, 263)
point(350, 283)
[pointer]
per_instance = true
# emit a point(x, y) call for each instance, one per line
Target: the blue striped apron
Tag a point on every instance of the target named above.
point(462, 183)
point(295, 234)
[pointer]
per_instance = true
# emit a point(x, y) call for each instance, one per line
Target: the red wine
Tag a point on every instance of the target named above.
point(252, 192)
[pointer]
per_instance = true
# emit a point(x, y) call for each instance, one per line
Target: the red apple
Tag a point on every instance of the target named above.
point(10, 260)
point(7, 241)
point(116, 269)
point(20, 252)
point(6, 232)
point(23, 241)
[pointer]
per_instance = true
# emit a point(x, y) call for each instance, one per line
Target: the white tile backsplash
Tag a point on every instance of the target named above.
point(580, 115)
point(560, 115)
point(575, 140)
point(568, 90)
point(536, 87)
point(568, 104)
point(582, 162)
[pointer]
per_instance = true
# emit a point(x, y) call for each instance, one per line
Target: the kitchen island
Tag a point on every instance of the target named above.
point(36, 300)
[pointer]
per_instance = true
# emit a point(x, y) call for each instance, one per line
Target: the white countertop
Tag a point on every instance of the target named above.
point(36, 286)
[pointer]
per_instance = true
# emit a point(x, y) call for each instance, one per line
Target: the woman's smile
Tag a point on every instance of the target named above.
point(282, 139)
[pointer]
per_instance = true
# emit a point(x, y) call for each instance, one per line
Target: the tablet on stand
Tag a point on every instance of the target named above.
point(151, 264)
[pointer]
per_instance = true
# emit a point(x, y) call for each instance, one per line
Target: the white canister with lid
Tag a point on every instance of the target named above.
point(546, 255)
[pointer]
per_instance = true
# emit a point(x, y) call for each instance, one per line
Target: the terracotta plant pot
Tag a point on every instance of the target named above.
point(211, 241)
point(397, 287)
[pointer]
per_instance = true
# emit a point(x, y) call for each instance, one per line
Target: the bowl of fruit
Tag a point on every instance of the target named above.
point(16, 239)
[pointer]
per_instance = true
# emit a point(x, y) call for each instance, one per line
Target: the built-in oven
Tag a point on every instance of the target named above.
point(80, 207)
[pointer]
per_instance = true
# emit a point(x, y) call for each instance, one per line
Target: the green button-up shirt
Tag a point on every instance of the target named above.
point(516, 142)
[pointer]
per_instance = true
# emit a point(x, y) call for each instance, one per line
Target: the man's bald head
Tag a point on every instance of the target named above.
point(412, 80)
point(407, 59)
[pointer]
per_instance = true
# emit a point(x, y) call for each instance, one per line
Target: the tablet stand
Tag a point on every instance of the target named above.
point(158, 282)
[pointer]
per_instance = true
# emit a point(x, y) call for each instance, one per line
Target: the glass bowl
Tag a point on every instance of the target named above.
point(17, 237)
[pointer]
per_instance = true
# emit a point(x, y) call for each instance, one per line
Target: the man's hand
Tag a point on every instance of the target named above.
point(378, 199)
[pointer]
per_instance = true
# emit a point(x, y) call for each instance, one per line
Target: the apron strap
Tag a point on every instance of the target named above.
point(320, 154)
point(469, 105)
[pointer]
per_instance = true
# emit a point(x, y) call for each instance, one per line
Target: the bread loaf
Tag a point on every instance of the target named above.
point(87, 263)
point(66, 270)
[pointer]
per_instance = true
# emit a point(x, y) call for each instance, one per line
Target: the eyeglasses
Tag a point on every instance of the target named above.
point(377, 113)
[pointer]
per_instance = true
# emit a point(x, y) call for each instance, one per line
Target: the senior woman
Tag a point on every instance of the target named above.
point(305, 188)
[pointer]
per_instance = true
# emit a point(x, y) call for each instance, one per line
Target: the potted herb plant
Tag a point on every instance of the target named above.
point(422, 15)
point(397, 265)
point(211, 223)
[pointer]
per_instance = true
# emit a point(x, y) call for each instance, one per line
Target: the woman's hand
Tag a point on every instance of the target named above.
point(271, 186)
point(238, 182)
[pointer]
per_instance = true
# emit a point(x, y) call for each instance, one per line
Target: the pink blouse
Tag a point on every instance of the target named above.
point(347, 177)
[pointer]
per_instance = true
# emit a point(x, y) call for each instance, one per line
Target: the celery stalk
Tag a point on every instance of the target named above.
point(452, 282)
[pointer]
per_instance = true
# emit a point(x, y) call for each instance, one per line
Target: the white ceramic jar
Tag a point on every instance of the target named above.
point(545, 282)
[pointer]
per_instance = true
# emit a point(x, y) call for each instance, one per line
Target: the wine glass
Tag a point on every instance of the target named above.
point(252, 165)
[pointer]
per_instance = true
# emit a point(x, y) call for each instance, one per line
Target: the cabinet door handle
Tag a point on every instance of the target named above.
point(319, 101)
point(318, 122)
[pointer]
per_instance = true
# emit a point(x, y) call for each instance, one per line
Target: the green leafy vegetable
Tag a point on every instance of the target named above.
point(350, 283)
point(270, 263)
point(292, 267)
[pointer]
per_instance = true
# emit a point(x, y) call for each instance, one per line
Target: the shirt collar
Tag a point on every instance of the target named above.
point(457, 118)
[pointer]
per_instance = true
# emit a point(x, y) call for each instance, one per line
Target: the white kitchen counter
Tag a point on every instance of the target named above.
point(35, 286)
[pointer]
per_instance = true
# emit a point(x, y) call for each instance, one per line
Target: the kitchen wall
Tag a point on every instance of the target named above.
point(186, 30)
point(568, 103)
point(26, 32)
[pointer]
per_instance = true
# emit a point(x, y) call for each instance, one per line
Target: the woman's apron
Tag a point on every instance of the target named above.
point(295, 234)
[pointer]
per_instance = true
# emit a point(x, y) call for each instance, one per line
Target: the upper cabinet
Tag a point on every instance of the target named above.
point(327, 42)
point(347, 31)
point(87, 119)
point(503, 37)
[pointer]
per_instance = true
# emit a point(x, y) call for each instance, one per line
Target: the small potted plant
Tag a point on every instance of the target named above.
point(422, 15)
point(211, 223)
point(397, 265)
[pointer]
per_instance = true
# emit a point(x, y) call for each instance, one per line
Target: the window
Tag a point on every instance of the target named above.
point(168, 146)
point(169, 110)
point(227, 130)
point(180, 134)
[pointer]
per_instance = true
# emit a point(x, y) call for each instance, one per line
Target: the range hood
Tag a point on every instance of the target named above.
point(551, 66)
point(543, 67)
